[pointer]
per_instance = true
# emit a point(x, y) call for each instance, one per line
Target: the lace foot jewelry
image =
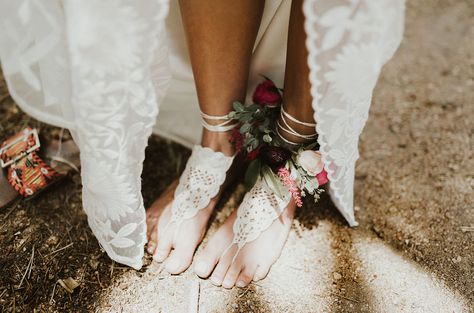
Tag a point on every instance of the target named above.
point(203, 176)
point(259, 208)
point(280, 170)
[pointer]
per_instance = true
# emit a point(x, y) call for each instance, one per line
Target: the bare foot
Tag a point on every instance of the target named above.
point(252, 262)
point(176, 243)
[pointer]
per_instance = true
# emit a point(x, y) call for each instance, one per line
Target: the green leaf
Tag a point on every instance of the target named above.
point(253, 107)
point(255, 144)
point(252, 174)
point(273, 182)
point(246, 117)
point(232, 115)
point(263, 127)
point(245, 128)
point(248, 140)
point(239, 107)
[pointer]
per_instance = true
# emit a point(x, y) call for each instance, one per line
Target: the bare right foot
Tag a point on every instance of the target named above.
point(173, 236)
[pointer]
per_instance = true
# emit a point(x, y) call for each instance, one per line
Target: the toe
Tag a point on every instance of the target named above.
point(181, 257)
point(175, 264)
point(262, 271)
point(151, 227)
point(213, 253)
point(205, 262)
point(151, 247)
point(220, 271)
point(231, 275)
point(152, 239)
point(163, 249)
point(246, 276)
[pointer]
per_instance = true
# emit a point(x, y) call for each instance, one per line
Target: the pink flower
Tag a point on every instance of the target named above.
point(311, 162)
point(267, 94)
point(322, 177)
point(289, 183)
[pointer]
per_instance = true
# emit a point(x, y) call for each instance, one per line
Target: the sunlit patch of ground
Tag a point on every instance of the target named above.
point(400, 285)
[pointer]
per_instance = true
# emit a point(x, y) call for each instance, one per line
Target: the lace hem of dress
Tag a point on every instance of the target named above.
point(113, 87)
point(348, 42)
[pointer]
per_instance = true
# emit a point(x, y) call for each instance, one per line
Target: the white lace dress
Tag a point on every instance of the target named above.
point(103, 69)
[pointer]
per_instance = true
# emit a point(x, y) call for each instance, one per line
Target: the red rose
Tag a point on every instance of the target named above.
point(322, 177)
point(267, 94)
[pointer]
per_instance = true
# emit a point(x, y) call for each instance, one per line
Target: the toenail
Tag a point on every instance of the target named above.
point(241, 284)
point(151, 249)
point(158, 256)
point(201, 268)
point(227, 283)
point(172, 266)
point(215, 281)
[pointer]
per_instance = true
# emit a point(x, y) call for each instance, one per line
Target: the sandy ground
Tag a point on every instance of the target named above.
point(413, 250)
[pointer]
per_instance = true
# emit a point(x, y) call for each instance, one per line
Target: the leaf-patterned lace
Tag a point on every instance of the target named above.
point(201, 180)
point(348, 43)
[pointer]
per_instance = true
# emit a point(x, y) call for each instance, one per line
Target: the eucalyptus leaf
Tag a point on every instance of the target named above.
point(245, 128)
point(245, 117)
point(255, 144)
point(273, 182)
point(253, 107)
point(239, 107)
point(249, 140)
point(252, 173)
point(267, 138)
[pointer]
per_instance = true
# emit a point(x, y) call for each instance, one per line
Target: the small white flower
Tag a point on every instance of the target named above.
point(311, 162)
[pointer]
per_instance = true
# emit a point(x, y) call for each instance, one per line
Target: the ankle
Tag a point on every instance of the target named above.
point(294, 130)
point(304, 130)
point(218, 141)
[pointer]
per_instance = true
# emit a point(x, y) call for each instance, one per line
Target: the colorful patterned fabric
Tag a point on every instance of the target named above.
point(26, 171)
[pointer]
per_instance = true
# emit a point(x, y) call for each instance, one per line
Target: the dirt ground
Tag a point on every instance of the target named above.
point(413, 250)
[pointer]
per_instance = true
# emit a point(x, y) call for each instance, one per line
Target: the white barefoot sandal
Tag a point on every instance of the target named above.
point(261, 206)
point(202, 178)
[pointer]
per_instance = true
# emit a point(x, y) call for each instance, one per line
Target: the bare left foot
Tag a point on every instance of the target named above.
point(252, 262)
point(175, 241)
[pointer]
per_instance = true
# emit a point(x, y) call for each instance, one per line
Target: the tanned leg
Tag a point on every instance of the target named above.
point(255, 259)
point(296, 96)
point(220, 36)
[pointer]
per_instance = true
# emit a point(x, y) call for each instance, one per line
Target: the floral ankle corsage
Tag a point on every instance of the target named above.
point(300, 171)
